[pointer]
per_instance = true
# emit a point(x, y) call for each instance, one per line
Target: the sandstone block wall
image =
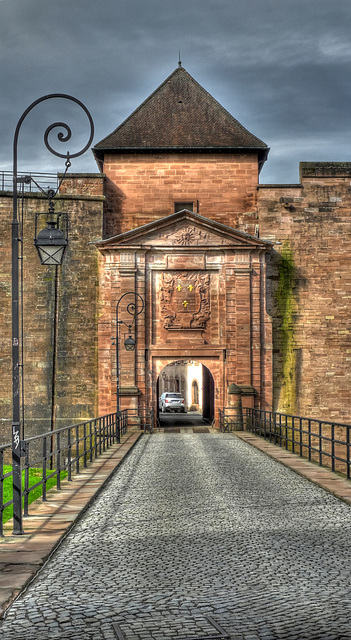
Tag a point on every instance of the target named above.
point(144, 188)
point(60, 367)
point(309, 290)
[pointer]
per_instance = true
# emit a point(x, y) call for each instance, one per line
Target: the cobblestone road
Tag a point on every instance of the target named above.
point(196, 525)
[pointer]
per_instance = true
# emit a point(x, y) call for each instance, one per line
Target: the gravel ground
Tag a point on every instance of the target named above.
point(194, 525)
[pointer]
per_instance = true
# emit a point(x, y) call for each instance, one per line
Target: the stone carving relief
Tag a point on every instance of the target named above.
point(185, 299)
point(188, 236)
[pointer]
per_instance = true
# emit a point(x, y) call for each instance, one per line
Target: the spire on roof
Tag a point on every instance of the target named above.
point(179, 61)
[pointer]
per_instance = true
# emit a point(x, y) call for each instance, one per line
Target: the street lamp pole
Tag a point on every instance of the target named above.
point(129, 343)
point(55, 244)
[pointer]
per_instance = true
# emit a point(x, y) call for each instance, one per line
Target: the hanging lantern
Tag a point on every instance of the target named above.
point(51, 244)
point(129, 343)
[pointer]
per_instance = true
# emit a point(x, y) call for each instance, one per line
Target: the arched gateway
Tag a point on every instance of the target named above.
point(202, 283)
point(202, 276)
point(193, 381)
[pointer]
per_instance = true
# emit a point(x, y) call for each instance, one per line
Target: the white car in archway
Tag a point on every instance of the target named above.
point(171, 401)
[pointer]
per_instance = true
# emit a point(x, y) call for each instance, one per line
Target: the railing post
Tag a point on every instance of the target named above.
point(268, 413)
point(100, 436)
point(118, 428)
point(44, 466)
point(104, 433)
point(85, 444)
point(320, 445)
point(26, 482)
point(77, 449)
point(293, 433)
point(69, 455)
point(333, 446)
point(96, 439)
point(58, 459)
point(91, 440)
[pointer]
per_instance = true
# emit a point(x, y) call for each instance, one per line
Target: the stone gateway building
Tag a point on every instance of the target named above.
point(251, 282)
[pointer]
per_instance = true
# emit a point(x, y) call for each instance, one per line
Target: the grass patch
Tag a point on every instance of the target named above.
point(35, 475)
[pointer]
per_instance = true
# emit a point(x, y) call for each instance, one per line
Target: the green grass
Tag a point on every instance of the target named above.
point(35, 476)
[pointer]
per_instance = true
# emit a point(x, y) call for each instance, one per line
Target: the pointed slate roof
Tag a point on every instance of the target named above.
point(181, 116)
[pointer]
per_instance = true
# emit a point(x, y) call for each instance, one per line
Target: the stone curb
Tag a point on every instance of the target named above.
point(322, 476)
point(21, 557)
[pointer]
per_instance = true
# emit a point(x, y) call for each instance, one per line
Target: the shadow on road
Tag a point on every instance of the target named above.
point(191, 419)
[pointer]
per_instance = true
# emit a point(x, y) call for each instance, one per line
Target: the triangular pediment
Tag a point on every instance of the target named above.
point(184, 229)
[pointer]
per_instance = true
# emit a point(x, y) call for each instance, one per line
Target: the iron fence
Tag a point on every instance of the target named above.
point(326, 443)
point(226, 423)
point(45, 180)
point(65, 450)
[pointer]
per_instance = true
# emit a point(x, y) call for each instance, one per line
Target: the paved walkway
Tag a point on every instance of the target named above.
point(190, 526)
point(22, 556)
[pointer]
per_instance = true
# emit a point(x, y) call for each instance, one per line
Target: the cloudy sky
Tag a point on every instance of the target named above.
point(281, 67)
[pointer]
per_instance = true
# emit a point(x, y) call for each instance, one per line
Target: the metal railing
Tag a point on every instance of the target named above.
point(326, 443)
point(142, 418)
point(67, 450)
point(46, 180)
point(226, 423)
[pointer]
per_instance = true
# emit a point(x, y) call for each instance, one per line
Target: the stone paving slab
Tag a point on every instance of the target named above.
point(49, 522)
point(190, 526)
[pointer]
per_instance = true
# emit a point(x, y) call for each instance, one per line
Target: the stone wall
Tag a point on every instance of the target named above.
point(309, 289)
point(305, 298)
point(67, 392)
point(143, 188)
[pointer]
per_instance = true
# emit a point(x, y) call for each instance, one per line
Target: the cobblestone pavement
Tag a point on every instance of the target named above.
point(194, 525)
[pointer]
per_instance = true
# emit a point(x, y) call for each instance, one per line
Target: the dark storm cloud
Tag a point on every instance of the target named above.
point(281, 67)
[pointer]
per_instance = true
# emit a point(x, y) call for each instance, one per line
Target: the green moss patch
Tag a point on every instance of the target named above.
point(287, 309)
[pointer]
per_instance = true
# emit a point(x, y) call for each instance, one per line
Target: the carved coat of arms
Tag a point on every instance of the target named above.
point(185, 299)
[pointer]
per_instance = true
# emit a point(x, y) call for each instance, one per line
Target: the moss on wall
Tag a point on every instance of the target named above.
point(286, 310)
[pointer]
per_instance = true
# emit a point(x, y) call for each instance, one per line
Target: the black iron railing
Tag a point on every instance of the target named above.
point(147, 420)
point(226, 423)
point(65, 450)
point(327, 443)
point(46, 181)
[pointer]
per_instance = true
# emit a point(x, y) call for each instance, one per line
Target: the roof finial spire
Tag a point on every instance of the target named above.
point(179, 61)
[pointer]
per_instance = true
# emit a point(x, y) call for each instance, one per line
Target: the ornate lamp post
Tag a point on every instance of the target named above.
point(129, 343)
point(51, 244)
